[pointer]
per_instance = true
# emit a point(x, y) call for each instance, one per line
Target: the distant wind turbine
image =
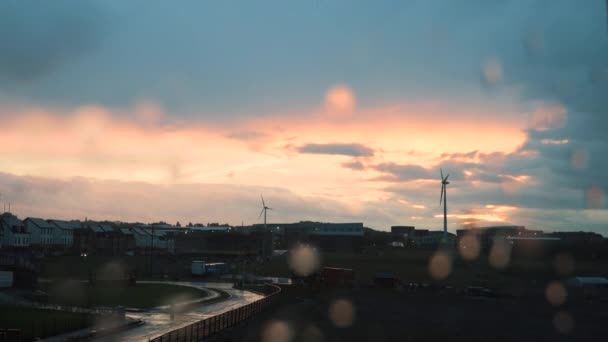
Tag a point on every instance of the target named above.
point(264, 209)
point(444, 190)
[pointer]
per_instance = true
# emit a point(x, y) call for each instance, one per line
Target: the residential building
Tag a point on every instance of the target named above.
point(41, 232)
point(63, 233)
point(14, 234)
point(103, 239)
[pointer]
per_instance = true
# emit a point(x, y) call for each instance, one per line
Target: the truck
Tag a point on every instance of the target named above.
point(198, 268)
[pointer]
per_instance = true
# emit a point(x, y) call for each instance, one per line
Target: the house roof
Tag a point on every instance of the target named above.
point(67, 225)
point(97, 228)
point(126, 231)
point(106, 228)
point(41, 223)
point(11, 220)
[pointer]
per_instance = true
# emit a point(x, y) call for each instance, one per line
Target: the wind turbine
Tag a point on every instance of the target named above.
point(264, 209)
point(444, 190)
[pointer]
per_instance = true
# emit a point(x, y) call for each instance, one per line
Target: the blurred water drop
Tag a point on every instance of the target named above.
point(469, 247)
point(556, 293)
point(500, 254)
point(492, 72)
point(563, 322)
point(440, 265)
point(68, 292)
point(534, 43)
point(548, 116)
point(564, 264)
point(277, 331)
point(579, 159)
point(340, 100)
point(312, 334)
point(594, 198)
point(304, 260)
point(598, 75)
point(114, 270)
point(342, 313)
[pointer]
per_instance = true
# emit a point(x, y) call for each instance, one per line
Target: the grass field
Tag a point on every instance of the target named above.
point(42, 323)
point(409, 265)
point(76, 293)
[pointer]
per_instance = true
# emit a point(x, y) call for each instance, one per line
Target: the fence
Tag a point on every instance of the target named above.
point(214, 325)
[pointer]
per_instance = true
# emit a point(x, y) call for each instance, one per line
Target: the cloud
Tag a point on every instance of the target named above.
point(246, 135)
point(352, 149)
point(40, 37)
point(353, 165)
point(398, 172)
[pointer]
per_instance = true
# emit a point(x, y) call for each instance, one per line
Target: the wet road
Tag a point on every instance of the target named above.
point(158, 322)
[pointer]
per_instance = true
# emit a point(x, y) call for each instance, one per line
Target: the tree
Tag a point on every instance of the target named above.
point(178, 224)
point(189, 224)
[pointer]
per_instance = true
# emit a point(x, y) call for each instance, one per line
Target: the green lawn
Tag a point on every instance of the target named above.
point(141, 296)
point(42, 323)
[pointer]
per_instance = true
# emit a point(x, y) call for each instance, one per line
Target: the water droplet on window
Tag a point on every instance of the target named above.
point(594, 198)
point(469, 247)
point(342, 313)
point(556, 293)
point(564, 264)
point(440, 265)
point(304, 260)
point(277, 331)
point(500, 254)
point(563, 322)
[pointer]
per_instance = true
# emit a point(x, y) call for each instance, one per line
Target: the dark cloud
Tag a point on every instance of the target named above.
point(353, 165)
point(404, 172)
point(37, 37)
point(246, 135)
point(466, 155)
point(353, 150)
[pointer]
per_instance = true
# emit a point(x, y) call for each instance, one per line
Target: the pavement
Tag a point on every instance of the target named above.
point(158, 322)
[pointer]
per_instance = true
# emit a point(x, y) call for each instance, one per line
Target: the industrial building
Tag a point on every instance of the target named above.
point(347, 237)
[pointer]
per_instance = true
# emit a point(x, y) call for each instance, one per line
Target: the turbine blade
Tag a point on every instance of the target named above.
point(446, 177)
point(440, 170)
point(261, 212)
point(268, 208)
point(441, 196)
point(263, 204)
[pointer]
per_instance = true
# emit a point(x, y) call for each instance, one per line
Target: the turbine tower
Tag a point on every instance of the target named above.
point(443, 197)
point(264, 209)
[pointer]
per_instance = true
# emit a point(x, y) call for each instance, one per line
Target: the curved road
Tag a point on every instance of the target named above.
point(158, 322)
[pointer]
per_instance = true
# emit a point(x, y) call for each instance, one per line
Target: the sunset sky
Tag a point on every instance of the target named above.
point(335, 111)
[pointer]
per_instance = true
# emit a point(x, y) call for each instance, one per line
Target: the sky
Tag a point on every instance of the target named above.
point(336, 111)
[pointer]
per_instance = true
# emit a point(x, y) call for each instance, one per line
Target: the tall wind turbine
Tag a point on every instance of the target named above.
point(264, 209)
point(444, 190)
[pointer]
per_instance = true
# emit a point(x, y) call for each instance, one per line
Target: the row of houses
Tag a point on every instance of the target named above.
point(109, 238)
point(35, 232)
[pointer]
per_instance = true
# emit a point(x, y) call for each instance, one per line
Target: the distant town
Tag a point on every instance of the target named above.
point(222, 240)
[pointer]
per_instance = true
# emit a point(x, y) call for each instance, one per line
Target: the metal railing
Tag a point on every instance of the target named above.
point(212, 326)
